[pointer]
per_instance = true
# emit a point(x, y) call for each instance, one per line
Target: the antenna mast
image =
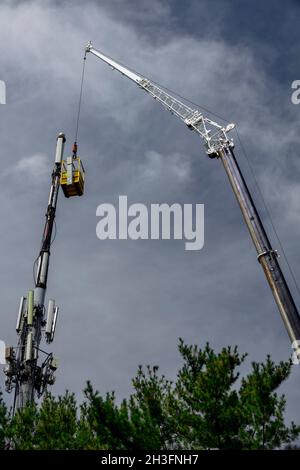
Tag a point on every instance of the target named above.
point(25, 372)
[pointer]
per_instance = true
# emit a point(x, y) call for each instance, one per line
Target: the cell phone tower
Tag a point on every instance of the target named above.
point(29, 369)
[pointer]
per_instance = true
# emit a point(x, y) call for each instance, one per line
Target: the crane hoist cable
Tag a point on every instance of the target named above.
point(72, 175)
point(79, 106)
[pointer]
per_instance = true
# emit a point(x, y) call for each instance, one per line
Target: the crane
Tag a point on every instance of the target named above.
point(24, 373)
point(220, 147)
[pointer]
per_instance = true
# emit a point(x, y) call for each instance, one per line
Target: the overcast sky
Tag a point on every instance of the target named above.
point(125, 303)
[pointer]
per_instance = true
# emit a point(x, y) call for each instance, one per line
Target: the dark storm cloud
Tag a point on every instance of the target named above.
point(121, 302)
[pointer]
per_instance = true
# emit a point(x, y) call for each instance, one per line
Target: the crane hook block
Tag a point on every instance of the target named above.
point(72, 176)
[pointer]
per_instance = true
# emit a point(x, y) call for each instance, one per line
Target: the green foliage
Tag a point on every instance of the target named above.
point(208, 407)
point(263, 410)
point(212, 413)
point(53, 425)
point(106, 420)
point(4, 422)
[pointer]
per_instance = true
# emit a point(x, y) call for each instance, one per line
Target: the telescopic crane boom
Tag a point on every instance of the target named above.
point(219, 146)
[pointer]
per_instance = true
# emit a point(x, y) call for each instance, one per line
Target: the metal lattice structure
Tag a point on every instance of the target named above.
point(214, 136)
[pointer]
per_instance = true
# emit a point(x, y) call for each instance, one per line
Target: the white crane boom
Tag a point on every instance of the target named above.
point(214, 135)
